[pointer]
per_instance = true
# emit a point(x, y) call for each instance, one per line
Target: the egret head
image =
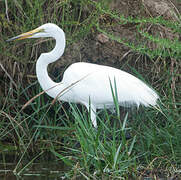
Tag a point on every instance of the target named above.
point(46, 30)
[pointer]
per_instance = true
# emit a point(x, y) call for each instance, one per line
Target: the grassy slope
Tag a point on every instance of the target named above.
point(155, 143)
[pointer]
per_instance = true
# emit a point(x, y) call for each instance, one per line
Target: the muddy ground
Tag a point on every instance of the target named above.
point(97, 49)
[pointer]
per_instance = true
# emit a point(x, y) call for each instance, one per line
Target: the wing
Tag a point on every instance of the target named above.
point(93, 82)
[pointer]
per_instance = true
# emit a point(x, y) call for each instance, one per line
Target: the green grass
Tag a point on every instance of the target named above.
point(65, 130)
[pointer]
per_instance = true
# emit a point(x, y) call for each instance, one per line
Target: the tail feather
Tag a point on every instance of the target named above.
point(149, 97)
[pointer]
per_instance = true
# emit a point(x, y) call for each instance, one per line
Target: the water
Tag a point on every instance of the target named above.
point(38, 171)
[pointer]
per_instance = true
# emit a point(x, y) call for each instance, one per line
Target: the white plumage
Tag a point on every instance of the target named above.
point(86, 83)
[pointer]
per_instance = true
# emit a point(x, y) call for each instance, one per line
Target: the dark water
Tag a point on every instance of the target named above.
point(42, 171)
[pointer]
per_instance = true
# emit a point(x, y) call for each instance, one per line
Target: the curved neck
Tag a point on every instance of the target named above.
point(42, 64)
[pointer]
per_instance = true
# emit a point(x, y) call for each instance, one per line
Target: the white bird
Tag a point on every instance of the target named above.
point(86, 83)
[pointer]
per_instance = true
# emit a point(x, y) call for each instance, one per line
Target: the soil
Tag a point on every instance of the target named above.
point(104, 51)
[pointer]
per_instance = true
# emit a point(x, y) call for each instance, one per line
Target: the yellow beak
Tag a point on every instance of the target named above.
point(25, 35)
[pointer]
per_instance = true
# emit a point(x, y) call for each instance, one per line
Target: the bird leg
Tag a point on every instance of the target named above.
point(92, 110)
point(93, 116)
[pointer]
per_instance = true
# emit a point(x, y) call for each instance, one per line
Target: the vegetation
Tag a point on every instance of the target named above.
point(64, 131)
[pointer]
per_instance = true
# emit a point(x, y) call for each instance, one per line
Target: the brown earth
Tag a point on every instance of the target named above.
point(102, 50)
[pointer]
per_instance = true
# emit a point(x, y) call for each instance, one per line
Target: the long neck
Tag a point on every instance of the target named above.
point(45, 81)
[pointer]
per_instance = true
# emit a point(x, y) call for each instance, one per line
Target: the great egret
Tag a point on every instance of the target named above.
point(86, 83)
